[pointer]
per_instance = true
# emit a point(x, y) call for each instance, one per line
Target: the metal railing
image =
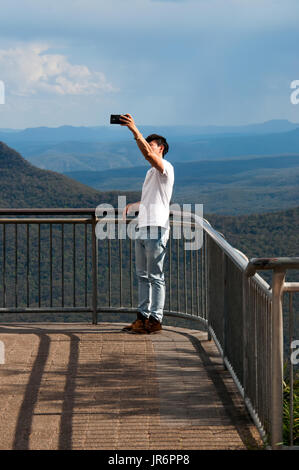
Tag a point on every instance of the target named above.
point(52, 261)
point(37, 247)
point(245, 319)
point(279, 267)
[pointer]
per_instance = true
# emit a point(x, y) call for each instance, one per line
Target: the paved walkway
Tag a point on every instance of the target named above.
point(80, 386)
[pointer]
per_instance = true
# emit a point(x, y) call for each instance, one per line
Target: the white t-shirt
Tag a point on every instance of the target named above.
point(155, 198)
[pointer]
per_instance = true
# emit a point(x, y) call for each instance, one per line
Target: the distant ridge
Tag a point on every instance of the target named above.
point(69, 148)
point(113, 133)
point(235, 186)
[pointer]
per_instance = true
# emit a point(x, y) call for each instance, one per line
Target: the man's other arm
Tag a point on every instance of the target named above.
point(132, 207)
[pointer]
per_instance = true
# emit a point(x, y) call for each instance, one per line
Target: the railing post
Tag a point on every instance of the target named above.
point(225, 305)
point(245, 313)
point(277, 360)
point(207, 285)
point(94, 270)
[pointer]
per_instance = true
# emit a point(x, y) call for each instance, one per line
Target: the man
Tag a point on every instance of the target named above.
point(153, 230)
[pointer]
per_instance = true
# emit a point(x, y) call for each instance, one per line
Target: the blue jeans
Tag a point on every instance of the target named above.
point(150, 251)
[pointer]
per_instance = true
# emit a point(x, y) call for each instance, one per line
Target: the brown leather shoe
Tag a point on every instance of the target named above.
point(153, 326)
point(139, 326)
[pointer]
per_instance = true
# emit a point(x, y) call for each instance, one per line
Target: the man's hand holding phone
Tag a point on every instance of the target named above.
point(127, 120)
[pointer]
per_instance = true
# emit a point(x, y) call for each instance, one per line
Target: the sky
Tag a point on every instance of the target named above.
point(166, 62)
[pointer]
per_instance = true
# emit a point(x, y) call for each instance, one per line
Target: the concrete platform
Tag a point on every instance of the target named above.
point(82, 386)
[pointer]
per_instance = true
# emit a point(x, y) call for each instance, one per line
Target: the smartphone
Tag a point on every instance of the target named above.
point(114, 119)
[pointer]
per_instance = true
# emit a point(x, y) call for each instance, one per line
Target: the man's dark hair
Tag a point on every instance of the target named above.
point(160, 141)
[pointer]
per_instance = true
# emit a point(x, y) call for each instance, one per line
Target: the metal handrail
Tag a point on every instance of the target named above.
point(49, 210)
point(234, 254)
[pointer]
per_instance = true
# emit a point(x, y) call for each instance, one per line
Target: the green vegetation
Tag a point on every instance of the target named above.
point(24, 185)
point(286, 411)
point(260, 235)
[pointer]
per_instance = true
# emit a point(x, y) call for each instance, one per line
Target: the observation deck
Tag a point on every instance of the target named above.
point(70, 378)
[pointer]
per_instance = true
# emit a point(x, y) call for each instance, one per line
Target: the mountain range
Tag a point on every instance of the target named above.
point(242, 186)
point(24, 185)
point(68, 148)
point(207, 170)
point(113, 133)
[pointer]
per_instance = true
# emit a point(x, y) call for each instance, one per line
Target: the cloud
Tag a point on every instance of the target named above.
point(206, 61)
point(28, 70)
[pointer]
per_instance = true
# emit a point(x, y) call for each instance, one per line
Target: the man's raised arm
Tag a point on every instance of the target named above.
point(143, 145)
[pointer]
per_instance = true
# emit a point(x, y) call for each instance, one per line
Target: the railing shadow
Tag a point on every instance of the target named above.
point(108, 379)
point(25, 417)
point(239, 418)
point(65, 432)
point(24, 421)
